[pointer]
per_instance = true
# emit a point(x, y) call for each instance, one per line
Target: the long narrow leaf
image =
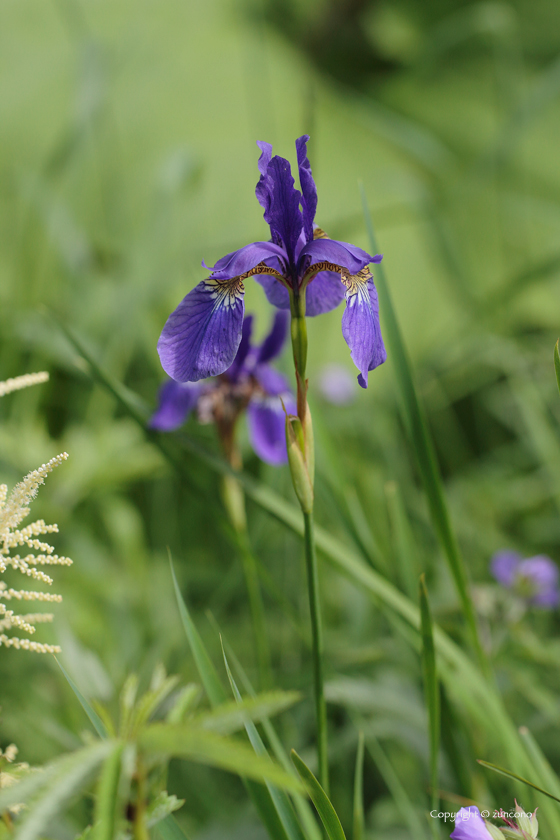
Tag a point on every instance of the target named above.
point(95, 720)
point(231, 717)
point(210, 680)
point(324, 807)
point(511, 775)
point(260, 795)
point(281, 801)
point(423, 446)
point(431, 687)
point(359, 821)
point(557, 364)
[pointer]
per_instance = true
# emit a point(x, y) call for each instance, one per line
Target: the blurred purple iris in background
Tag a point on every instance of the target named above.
point(337, 385)
point(469, 825)
point(248, 384)
point(534, 579)
point(201, 336)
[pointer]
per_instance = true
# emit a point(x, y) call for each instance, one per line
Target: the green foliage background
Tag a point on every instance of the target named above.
point(127, 155)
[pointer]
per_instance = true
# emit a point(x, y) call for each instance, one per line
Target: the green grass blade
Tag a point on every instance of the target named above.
point(396, 789)
point(511, 775)
point(557, 364)
point(181, 741)
point(306, 816)
point(259, 795)
point(169, 829)
point(423, 446)
point(322, 803)
point(281, 802)
point(431, 688)
point(208, 675)
point(359, 820)
point(403, 540)
point(107, 800)
point(545, 775)
point(95, 720)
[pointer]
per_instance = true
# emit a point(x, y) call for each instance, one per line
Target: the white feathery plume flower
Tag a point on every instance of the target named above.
point(8, 779)
point(13, 509)
point(24, 381)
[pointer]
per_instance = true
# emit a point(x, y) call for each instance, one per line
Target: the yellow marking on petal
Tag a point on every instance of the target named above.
point(319, 233)
point(227, 292)
point(355, 282)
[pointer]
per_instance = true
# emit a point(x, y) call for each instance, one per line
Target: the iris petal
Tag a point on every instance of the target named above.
point(324, 293)
point(202, 335)
point(245, 259)
point(308, 188)
point(274, 341)
point(283, 213)
point(175, 402)
point(267, 427)
point(342, 254)
point(360, 325)
point(275, 292)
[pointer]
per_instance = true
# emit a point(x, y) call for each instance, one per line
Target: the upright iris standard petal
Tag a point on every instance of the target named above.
point(265, 186)
point(267, 427)
point(308, 188)
point(175, 402)
point(274, 341)
point(202, 335)
point(283, 214)
point(324, 293)
point(360, 325)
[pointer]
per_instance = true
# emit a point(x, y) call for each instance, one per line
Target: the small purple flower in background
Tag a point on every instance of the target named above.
point(469, 825)
point(534, 579)
point(201, 336)
point(336, 385)
point(248, 384)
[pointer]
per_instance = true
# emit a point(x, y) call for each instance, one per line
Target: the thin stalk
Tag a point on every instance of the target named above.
point(257, 611)
point(234, 501)
point(317, 651)
point(140, 829)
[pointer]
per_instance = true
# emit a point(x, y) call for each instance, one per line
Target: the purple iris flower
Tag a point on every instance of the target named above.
point(534, 579)
point(248, 384)
point(469, 825)
point(201, 336)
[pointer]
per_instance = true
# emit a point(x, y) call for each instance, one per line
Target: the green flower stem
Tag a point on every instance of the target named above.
point(317, 640)
point(140, 829)
point(300, 437)
point(234, 501)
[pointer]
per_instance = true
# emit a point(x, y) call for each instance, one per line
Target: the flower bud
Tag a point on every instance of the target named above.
point(309, 445)
point(300, 475)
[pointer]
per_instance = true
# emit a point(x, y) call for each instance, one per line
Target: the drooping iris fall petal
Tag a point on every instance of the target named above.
point(360, 326)
point(201, 336)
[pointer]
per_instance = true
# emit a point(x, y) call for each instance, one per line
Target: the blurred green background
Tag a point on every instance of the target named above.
point(127, 155)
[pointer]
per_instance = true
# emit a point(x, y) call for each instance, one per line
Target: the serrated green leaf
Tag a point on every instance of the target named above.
point(182, 741)
point(322, 803)
point(46, 791)
point(233, 716)
point(161, 807)
point(169, 829)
